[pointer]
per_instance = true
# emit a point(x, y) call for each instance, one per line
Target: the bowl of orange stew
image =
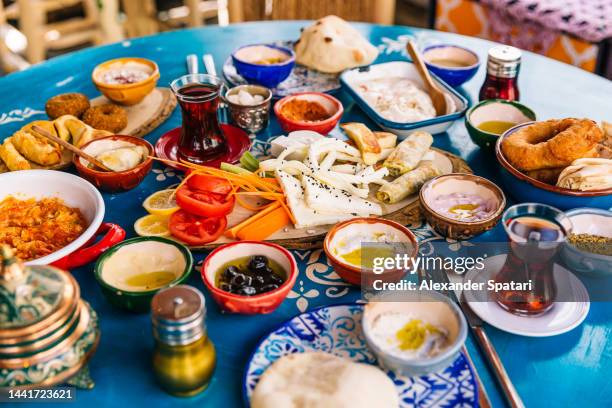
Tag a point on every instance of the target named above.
point(52, 217)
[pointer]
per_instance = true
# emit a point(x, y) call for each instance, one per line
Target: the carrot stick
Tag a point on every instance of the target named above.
point(265, 226)
point(231, 233)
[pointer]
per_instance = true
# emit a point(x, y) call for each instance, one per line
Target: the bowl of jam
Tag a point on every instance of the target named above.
point(249, 277)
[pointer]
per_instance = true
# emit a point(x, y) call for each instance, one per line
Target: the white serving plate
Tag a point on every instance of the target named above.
point(73, 190)
point(563, 317)
point(456, 103)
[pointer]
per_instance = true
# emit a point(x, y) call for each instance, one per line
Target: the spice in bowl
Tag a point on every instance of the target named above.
point(302, 110)
point(595, 244)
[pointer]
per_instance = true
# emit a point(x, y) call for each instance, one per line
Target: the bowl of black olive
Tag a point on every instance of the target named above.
point(249, 277)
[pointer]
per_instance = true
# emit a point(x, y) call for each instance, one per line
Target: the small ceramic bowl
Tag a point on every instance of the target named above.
point(527, 189)
point(494, 110)
point(126, 94)
point(262, 303)
point(590, 221)
point(113, 182)
point(461, 183)
point(332, 105)
point(339, 235)
point(431, 307)
point(466, 60)
point(151, 254)
point(268, 75)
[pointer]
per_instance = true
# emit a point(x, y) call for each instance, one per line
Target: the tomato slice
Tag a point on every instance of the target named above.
point(212, 184)
point(204, 203)
point(195, 230)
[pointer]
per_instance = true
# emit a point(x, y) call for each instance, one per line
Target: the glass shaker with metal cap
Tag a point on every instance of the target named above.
point(503, 65)
point(184, 357)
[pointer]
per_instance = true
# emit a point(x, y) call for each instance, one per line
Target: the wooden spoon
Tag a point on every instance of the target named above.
point(71, 148)
point(436, 95)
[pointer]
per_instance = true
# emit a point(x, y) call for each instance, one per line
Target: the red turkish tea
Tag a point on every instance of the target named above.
point(201, 137)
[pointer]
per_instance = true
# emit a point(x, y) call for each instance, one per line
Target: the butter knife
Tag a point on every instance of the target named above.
point(486, 346)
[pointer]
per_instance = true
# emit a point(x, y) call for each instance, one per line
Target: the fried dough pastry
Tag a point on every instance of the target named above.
point(36, 148)
point(549, 176)
point(552, 143)
point(12, 158)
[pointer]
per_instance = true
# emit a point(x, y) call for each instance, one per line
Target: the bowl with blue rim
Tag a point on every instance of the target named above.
point(264, 64)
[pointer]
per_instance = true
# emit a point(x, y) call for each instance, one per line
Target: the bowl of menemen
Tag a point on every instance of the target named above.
point(489, 119)
point(461, 206)
point(132, 272)
point(249, 277)
point(417, 334)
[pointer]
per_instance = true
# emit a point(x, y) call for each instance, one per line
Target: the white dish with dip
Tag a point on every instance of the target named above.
point(391, 327)
point(403, 73)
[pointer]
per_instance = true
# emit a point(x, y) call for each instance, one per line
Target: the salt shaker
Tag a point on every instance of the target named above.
point(184, 358)
point(503, 65)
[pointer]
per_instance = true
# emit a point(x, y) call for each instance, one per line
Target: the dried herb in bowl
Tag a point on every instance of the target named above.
point(595, 244)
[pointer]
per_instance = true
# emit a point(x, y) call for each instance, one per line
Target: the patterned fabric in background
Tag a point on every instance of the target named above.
point(589, 20)
point(532, 25)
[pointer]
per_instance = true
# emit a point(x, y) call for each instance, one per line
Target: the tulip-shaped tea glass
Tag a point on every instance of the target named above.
point(201, 137)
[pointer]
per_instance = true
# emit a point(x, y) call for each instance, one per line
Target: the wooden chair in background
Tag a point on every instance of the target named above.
point(98, 25)
point(372, 11)
point(143, 18)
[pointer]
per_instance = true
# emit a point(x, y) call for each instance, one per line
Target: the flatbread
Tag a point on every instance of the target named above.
point(332, 45)
point(322, 380)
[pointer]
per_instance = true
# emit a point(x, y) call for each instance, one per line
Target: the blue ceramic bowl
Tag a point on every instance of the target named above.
point(527, 189)
point(594, 222)
point(454, 76)
point(269, 75)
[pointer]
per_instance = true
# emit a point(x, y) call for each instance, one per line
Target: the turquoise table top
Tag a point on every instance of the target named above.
point(571, 369)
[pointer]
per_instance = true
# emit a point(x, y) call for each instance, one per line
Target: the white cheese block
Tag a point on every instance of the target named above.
point(305, 216)
point(325, 198)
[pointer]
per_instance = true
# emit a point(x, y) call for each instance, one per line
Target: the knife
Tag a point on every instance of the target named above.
point(486, 346)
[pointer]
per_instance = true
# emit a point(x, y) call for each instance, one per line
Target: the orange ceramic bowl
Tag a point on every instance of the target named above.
point(126, 94)
point(114, 182)
point(332, 106)
point(262, 303)
point(360, 226)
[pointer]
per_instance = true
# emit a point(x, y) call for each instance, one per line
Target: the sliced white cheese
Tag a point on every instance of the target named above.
point(299, 140)
point(325, 198)
point(305, 216)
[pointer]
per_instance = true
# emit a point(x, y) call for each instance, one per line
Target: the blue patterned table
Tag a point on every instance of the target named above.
point(569, 370)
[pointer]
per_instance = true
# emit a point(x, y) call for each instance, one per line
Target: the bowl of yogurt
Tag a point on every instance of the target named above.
point(420, 334)
point(461, 206)
point(126, 81)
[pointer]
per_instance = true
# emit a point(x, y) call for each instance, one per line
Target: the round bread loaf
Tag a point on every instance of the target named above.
point(322, 380)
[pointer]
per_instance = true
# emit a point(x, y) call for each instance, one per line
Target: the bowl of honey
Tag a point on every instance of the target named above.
point(489, 119)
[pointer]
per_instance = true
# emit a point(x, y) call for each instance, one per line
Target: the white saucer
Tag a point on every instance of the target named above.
point(563, 317)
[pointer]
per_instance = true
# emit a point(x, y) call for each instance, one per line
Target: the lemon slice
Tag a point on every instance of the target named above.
point(152, 225)
point(161, 203)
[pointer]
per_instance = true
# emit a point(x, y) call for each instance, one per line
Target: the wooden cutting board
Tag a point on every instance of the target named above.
point(143, 118)
point(407, 212)
point(147, 115)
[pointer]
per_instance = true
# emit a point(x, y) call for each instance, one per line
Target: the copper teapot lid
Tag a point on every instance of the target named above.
point(30, 295)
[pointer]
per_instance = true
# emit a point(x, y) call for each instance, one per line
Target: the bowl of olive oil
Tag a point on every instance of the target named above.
point(489, 119)
point(131, 272)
